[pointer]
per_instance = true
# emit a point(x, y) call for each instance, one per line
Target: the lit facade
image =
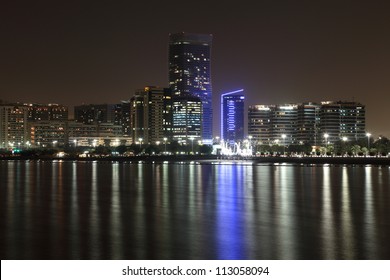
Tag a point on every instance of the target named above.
point(122, 116)
point(186, 122)
point(93, 135)
point(190, 72)
point(260, 119)
point(47, 112)
point(307, 123)
point(308, 130)
point(48, 133)
point(270, 124)
point(13, 126)
point(232, 116)
point(343, 120)
point(151, 115)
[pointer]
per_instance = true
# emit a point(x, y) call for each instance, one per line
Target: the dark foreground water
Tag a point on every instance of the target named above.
point(101, 210)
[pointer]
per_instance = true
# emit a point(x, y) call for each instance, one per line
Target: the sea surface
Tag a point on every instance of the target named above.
point(199, 210)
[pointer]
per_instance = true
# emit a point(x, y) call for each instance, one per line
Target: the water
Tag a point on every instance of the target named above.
point(108, 210)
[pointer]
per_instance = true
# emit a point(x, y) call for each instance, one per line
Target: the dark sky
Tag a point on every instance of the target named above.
point(73, 52)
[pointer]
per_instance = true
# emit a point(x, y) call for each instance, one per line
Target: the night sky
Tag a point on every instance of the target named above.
point(73, 52)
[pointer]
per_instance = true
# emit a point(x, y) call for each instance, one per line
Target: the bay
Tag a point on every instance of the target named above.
point(197, 210)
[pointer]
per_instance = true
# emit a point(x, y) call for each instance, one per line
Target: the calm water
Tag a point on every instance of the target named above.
point(104, 210)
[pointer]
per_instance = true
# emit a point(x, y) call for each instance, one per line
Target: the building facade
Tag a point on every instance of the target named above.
point(187, 116)
point(47, 112)
point(13, 126)
point(48, 133)
point(308, 130)
point(272, 124)
point(232, 116)
point(190, 73)
point(343, 120)
point(151, 115)
point(94, 113)
point(307, 123)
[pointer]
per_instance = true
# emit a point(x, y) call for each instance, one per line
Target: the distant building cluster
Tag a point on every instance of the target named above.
point(181, 112)
point(307, 123)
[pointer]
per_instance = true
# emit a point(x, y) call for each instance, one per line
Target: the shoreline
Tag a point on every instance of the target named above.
point(205, 159)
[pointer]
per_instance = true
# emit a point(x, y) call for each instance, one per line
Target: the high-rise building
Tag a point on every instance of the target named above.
point(308, 131)
point(48, 133)
point(122, 116)
point(151, 115)
point(232, 116)
point(190, 73)
point(13, 126)
point(186, 122)
point(260, 119)
point(47, 112)
point(307, 123)
point(343, 120)
point(269, 124)
point(94, 113)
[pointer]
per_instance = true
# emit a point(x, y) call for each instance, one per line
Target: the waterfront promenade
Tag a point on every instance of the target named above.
point(376, 160)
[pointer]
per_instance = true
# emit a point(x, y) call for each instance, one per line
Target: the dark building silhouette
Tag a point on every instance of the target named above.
point(94, 113)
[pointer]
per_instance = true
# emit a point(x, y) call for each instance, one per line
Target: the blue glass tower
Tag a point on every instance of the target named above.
point(189, 73)
point(232, 116)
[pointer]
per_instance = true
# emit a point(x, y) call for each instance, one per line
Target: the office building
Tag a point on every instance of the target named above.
point(93, 135)
point(48, 133)
point(151, 115)
point(94, 113)
point(13, 126)
point(307, 123)
point(186, 122)
point(260, 119)
point(308, 130)
point(46, 112)
point(270, 124)
point(232, 116)
point(190, 73)
point(342, 120)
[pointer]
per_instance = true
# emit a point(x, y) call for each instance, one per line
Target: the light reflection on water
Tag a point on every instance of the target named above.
point(102, 210)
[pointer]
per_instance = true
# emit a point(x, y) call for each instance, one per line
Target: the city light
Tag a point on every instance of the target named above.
point(368, 141)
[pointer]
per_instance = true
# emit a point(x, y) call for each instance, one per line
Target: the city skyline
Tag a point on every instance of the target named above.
point(281, 53)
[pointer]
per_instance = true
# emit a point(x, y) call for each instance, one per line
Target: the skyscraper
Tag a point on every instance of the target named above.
point(232, 116)
point(151, 115)
point(189, 72)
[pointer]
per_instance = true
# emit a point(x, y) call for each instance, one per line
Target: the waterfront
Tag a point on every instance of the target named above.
point(213, 210)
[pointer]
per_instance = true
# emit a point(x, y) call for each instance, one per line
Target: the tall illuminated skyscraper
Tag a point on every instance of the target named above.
point(189, 73)
point(232, 116)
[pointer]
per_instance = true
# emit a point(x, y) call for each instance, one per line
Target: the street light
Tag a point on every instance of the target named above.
point(368, 141)
point(326, 136)
point(140, 142)
point(165, 143)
